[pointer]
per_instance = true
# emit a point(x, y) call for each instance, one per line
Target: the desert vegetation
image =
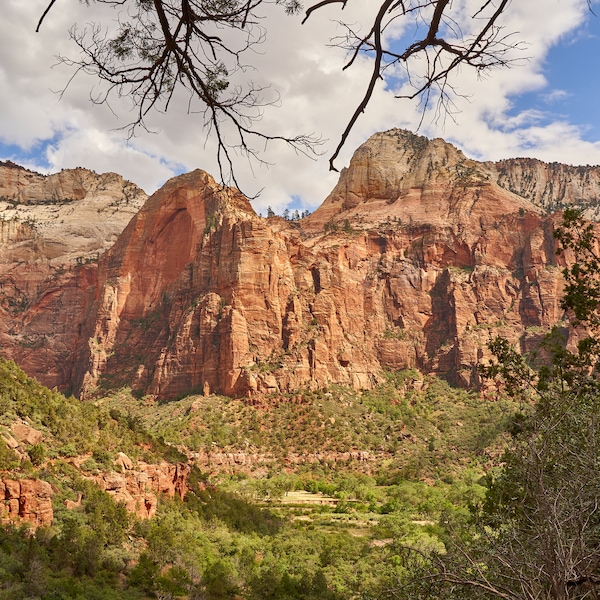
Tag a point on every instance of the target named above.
point(328, 528)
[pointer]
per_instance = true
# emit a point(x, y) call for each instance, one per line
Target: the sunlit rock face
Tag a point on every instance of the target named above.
point(418, 258)
point(26, 500)
point(52, 231)
point(138, 486)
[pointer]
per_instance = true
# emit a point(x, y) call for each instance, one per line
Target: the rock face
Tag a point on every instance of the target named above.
point(138, 488)
point(65, 218)
point(30, 500)
point(418, 257)
point(552, 186)
point(52, 230)
point(27, 500)
point(241, 462)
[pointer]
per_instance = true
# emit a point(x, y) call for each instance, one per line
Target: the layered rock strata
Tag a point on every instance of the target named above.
point(138, 488)
point(418, 258)
point(28, 500)
point(52, 231)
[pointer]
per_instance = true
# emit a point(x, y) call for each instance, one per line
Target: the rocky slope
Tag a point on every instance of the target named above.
point(418, 257)
point(50, 444)
point(552, 186)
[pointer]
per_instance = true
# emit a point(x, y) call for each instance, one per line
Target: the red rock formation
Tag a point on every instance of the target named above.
point(52, 230)
point(418, 257)
point(138, 488)
point(25, 434)
point(28, 500)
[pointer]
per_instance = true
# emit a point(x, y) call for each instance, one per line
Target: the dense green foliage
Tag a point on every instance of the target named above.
point(73, 427)
point(324, 529)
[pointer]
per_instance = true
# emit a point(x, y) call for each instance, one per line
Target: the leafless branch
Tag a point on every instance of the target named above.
point(164, 47)
point(443, 46)
point(198, 46)
point(37, 29)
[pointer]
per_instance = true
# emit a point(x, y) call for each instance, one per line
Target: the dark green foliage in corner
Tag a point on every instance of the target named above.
point(68, 561)
point(37, 454)
point(9, 459)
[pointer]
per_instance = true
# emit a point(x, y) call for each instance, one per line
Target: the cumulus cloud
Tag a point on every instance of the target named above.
point(314, 96)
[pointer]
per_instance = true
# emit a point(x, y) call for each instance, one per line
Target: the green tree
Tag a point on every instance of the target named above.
point(37, 454)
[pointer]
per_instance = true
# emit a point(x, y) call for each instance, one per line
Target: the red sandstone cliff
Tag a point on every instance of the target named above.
point(418, 257)
point(52, 230)
point(138, 486)
point(28, 500)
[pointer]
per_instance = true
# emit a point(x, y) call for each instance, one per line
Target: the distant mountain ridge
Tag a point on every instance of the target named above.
point(418, 257)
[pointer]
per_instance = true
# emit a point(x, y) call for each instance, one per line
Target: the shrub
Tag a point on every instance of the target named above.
point(68, 450)
point(37, 454)
point(8, 457)
point(103, 458)
point(89, 465)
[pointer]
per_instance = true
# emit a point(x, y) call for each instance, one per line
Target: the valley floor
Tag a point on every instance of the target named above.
point(313, 495)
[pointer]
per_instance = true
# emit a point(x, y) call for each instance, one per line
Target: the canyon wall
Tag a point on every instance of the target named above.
point(417, 258)
point(52, 231)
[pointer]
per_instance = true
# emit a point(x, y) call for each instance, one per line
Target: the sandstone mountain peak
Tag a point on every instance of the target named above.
point(551, 186)
point(74, 215)
point(198, 187)
point(22, 186)
point(417, 258)
point(399, 175)
point(53, 228)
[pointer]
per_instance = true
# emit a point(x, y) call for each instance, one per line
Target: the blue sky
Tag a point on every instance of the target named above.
point(35, 155)
point(573, 75)
point(545, 107)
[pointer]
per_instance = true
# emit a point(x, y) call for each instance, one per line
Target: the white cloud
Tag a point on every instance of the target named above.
point(316, 96)
point(105, 151)
point(556, 96)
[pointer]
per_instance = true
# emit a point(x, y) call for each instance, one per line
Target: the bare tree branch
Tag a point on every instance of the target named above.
point(443, 46)
point(198, 46)
point(320, 5)
point(163, 47)
point(375, 75)
point(37, 29)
